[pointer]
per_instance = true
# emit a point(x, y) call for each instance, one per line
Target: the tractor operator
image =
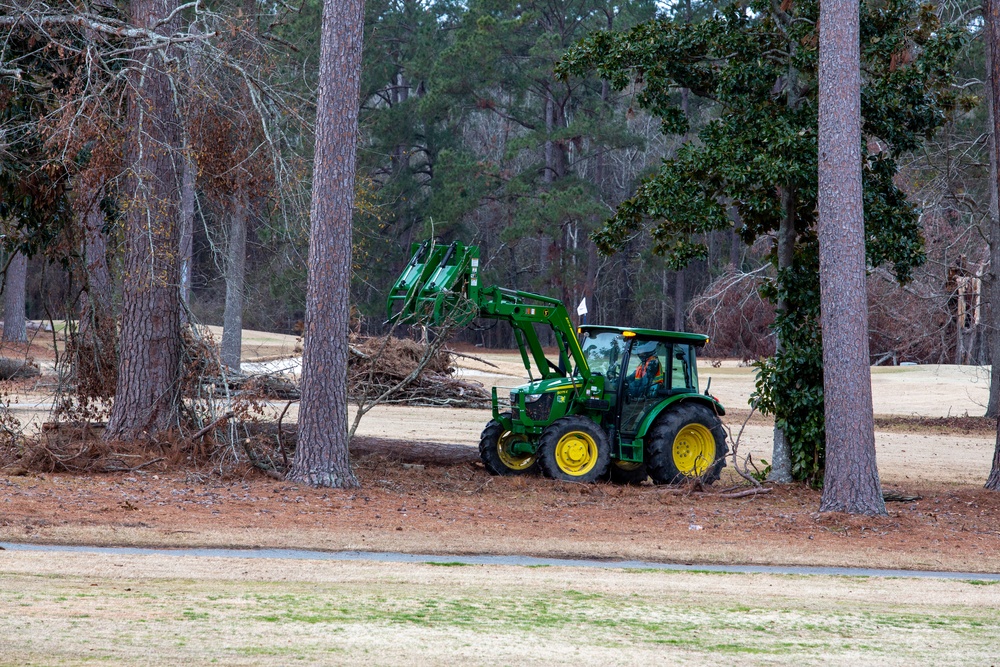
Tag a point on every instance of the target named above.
point(648, 376)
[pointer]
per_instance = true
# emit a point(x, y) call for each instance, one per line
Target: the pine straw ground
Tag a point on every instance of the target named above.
point(460, 509)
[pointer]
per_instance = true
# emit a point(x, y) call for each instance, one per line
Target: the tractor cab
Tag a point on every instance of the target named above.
point(642, 369)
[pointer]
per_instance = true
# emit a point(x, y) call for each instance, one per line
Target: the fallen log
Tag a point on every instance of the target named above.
point(404, 451)
point(410, 451)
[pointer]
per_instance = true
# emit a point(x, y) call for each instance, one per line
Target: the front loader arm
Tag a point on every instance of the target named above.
point(440, 285)
point(524, 310)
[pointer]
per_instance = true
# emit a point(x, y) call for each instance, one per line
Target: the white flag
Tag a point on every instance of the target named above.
point(581, 310)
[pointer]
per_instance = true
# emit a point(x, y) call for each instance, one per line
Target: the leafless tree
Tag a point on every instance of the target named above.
point(128, 91)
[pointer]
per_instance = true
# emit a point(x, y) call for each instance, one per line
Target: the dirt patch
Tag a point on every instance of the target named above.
point(460, 509)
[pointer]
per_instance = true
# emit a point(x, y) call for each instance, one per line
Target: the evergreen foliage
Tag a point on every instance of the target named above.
point(469, 129)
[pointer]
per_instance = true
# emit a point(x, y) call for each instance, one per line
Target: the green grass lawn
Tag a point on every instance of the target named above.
point(155, 610)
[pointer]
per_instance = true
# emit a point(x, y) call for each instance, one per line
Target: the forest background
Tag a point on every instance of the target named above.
point(467, 133)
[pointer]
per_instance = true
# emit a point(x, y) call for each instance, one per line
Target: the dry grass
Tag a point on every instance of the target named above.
point(65, 609)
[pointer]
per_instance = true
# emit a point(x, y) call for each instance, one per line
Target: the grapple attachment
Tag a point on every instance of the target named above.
point(439, 284)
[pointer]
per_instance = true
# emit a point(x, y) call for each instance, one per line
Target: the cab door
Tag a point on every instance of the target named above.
point(640, 390)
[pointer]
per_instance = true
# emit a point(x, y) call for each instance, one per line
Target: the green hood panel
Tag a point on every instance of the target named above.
point(550, 385)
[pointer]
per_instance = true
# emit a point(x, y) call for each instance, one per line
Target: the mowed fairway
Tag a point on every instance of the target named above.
point(68, 609)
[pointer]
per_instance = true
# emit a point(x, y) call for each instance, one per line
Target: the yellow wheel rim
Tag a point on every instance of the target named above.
point(694, 450)
point(509, 459)
point(576, 453)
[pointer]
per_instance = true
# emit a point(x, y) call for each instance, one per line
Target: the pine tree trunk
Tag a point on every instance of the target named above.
point(146, 395)
point(991, 10)
point(851, 483)
point(664, 311)
point(992, 278)
point(14, 324)
point(321, 455)
point(232, 326)
point(993, 481)
point(549, 174)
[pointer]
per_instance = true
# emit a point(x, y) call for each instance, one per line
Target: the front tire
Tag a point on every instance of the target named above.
point(687, 442)
point(494, 450)
point(574, 449)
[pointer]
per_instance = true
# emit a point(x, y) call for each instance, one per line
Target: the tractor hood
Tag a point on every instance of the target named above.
point(547, 386)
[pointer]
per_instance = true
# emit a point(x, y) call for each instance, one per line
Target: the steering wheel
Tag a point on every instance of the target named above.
point(612, 374)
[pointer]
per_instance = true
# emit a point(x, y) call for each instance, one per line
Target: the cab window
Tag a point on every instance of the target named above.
point(603, 352)
point(682, 374)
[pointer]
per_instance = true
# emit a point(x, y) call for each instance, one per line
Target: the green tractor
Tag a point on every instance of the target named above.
point(615, 402)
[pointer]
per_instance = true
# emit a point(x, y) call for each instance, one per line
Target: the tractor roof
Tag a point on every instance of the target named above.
point(674, 336)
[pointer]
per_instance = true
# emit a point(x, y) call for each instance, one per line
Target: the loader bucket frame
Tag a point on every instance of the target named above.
point(440, 285)
point(437, 285)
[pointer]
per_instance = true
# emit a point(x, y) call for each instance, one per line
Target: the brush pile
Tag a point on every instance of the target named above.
point(376, 365)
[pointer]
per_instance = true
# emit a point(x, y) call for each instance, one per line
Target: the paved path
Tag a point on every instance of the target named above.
point(528, 561)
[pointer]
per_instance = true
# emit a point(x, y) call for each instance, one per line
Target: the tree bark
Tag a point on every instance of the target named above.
point(991, 10)
point(232, 326)
point(15, 328)
point(781, 452)
point(321, 457)
point(664, 316)
point(146, 394)
point(679, 300)
point(14, 320)
point(96, 357)
point(851, 483)
point(993, 481)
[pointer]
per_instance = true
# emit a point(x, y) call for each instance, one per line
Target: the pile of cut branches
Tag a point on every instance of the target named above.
point(377, 365)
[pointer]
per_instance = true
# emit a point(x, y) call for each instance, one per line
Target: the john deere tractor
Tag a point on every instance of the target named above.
point(611, 401)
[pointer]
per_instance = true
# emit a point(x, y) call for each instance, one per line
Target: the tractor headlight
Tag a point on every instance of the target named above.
point(531, 398)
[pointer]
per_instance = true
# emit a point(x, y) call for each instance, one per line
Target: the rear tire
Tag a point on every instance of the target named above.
point(494, 450)
point(687, 442)
point(574, 449)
